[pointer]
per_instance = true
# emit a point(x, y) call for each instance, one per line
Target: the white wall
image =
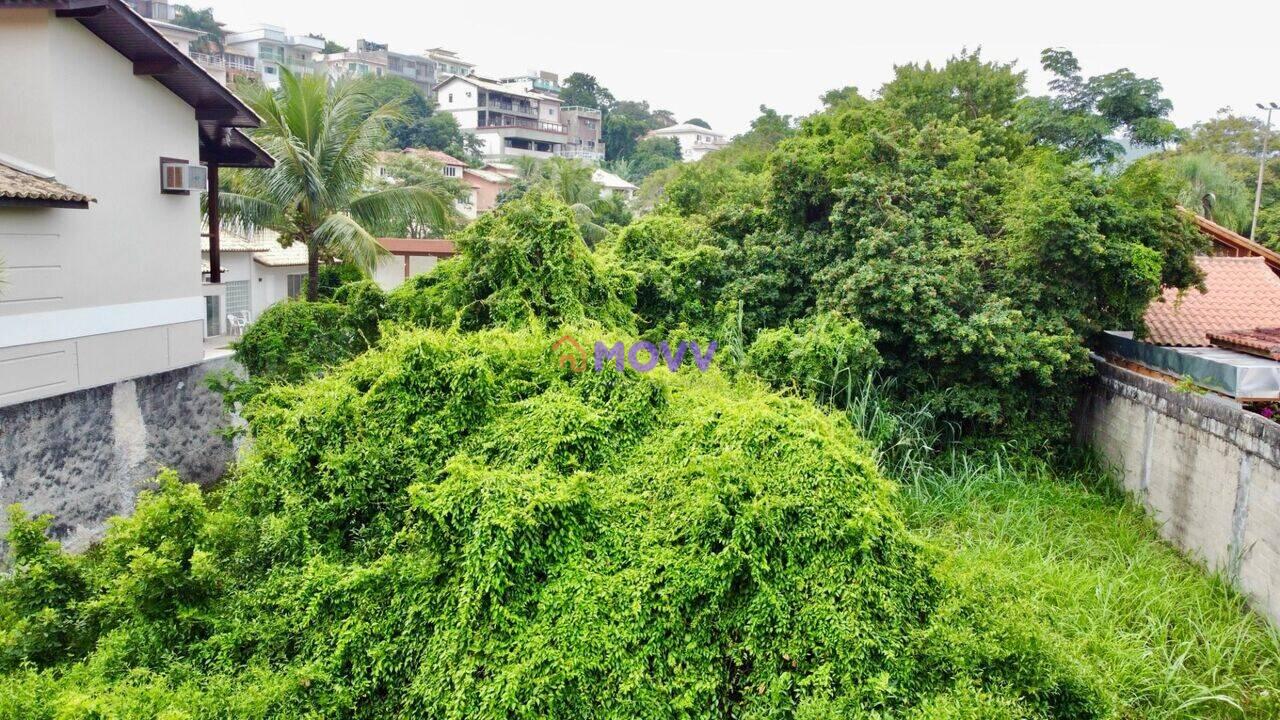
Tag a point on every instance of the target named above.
point(1207, 471)
point(390, 271)
point(115, 289)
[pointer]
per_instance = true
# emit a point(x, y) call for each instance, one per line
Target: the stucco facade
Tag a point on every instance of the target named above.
point(93, 296)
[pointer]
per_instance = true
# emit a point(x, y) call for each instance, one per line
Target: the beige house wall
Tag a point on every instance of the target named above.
point(97, 295)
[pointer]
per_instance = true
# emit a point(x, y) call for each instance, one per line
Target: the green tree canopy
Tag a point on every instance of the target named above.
point(203, 20)
point(325, 140)
point(1082, 114)
point(584, 90)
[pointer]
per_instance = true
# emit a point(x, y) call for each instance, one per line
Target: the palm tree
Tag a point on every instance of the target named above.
point(572, 182)
point(325, 141)
point(1208, 187)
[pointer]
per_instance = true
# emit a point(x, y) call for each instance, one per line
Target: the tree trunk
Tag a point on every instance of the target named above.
point(313, 270)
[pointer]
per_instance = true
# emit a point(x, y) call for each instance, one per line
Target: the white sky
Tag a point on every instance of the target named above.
point(720, 60)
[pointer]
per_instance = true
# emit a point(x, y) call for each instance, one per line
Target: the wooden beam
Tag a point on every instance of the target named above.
point(154, 66)
point(215, 227)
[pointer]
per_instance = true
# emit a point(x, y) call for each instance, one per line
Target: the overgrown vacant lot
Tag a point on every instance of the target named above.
point(1165, 639)
point(458, 527)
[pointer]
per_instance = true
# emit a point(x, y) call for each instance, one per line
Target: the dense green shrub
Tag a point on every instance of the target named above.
point(332, 276)
point(679, 275)
point(292, 341)
point(984, 263)
point(524, 262)
point(456, 526)
point(825, 357)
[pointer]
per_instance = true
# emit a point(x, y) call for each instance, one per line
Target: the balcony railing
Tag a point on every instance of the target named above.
point(507, 122)
point(241, 62)
point(581, 154)
point(509, 106)
point(207, 59)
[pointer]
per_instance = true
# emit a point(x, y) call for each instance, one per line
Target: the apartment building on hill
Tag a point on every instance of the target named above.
point(508, 120)
point(271, 48)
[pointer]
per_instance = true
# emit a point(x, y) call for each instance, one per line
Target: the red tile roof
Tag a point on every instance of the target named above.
point(418, 246)
point(1259, 341)
point(1232, 243)
point(436, 155)
point(1241, 292)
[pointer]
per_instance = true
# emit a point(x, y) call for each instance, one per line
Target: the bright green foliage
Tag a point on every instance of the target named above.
point(37, 619)
point(524, 263)
point(456, 526)
point(822, 357)
point(570, 181)
point(679, 275)
point(293, 341)
point(1206, 179)
point(982, 263)
point(966, 89)
point(1233, 143)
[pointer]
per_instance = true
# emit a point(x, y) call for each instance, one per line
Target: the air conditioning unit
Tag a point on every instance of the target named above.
point(181, 177)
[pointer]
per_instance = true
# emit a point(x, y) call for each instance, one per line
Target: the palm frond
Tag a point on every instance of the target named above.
point(410, 210)
point(246, 214)
point(341, 236)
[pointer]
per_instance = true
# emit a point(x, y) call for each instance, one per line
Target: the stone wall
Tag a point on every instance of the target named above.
point(1206, 470)
point(84, 456)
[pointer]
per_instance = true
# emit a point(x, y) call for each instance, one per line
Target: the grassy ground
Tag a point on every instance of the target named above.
point(1169, 640)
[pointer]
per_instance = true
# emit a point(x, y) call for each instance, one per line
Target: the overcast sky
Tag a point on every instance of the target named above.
point(720, 60)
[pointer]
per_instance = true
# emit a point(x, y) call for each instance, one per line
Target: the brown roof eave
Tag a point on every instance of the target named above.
point(1233, 239)
point(129, 34)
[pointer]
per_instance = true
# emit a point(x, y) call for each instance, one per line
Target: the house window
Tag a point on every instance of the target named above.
point(269, 69)
point(212, 315)
point(238, 298)
point(451, 171)
point(450, 97)
point(294, 283)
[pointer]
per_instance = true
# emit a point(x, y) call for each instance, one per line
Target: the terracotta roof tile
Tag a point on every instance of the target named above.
point(436, 155)
point(21, 185)
point(1240, 293)
point(1259, 341)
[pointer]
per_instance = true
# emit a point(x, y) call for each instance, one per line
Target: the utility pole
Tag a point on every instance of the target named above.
point(1262, 165)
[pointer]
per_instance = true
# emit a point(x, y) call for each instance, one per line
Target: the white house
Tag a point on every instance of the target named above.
point(695, 141)
point(267, 48)
point(102, 136)
point(508, 119)
point(611, 184)
point(257, 273)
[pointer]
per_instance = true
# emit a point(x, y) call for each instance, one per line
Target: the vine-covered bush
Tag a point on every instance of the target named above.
point(524, 262)
point(454, 525)
point(679, 274)
point(823, 357)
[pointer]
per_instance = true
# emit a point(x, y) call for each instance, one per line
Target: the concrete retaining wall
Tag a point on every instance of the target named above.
point(1206, 470)
point(84, 456)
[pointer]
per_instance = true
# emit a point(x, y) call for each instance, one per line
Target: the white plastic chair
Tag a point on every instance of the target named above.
point(237, 321)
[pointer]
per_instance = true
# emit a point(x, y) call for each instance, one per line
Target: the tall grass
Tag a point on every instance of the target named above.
point(1054, 532)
